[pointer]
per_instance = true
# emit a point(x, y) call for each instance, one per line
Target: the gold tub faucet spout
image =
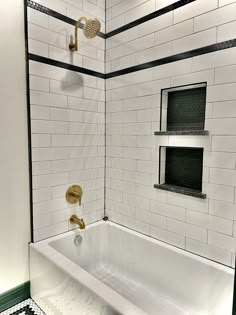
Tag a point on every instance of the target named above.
point(75, 220)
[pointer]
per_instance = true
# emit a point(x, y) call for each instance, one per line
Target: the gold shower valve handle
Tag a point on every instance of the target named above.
point(74, 194)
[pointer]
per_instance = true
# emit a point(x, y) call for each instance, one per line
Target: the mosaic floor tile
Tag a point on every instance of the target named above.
point(28, 307)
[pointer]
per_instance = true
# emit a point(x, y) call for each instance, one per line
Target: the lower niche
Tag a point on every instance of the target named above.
point(181, 170)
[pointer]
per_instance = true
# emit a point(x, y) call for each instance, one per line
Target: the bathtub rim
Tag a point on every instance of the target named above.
point(104, 292)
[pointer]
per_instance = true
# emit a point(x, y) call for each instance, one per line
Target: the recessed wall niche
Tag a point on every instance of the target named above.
point(183, 109)
point(181, 170)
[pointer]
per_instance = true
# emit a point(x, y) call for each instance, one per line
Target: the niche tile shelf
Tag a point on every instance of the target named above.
point(182, 191)
point(180, 171)
point(183, 110)
point(182, 133)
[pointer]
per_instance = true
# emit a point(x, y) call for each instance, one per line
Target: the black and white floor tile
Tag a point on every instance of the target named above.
point(28, 307)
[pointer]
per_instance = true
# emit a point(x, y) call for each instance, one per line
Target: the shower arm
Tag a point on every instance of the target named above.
point(74, 46)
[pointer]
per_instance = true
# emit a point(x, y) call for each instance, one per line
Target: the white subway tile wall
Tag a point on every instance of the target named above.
point(192, 26)
point(204, 227)
point(68, 146)
point(67, 118)
point(68, 121)
point(50, 37)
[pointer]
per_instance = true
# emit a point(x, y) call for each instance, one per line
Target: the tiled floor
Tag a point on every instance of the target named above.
point(28, 307)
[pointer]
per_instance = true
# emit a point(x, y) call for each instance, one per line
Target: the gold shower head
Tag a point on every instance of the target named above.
point(91, 28)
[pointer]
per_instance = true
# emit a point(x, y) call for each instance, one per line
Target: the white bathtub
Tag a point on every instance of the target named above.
point(118, 271)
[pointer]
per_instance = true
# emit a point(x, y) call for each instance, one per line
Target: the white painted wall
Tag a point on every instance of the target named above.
point(14, 177)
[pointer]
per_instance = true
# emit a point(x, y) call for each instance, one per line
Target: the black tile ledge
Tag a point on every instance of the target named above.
point(181, 190)
point(182, 133)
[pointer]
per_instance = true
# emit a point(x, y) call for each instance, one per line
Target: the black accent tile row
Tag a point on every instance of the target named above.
point(154, 63)
point(67, 66)
point(182, 191)
point(185, 55)
point(182, 133)
point(149, 17)
point(56, 15)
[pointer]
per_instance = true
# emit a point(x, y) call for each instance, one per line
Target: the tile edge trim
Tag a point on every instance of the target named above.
point(14, 296)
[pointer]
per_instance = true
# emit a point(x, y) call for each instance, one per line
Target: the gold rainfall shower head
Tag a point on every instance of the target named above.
point(91, 28)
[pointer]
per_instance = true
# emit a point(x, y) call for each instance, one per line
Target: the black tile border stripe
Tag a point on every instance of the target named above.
point(36, 6)
point(149, 17)
point(64, 65)
point(181, 56)
point(155, 63)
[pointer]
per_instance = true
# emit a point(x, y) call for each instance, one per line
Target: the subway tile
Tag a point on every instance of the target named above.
point(136, 225)
point(122, 208)
point(225, 74)
point(226, 32)
point(219, 160)
point(48, 154)
point(200, 205)
point(224, 92)
point(222, 241)
point(48, 99)
point(210, 222)
point(219, 192)
point(173, 32)
point(222, 209)
point(225, 126)
point(52, 230)
point(39, 84)
point(46, 36)
point(224, 109)
point(42, 194)
point(188, 230)
point(41, 141)
point(214, 60)
point(37, 17)
point(194, 9)
point(38, 48)
point(195, 41)
point(215, 18)
point(210, 252)
point(42, 181)
point(49, 127)
point(151, 218)
point(41, 221)
point(168, 210)
point(40, 168)
point(153, 87)
point(39, 112)
point(224, 143)
point(173, 69)
point(225, 2)
point(154, 53)
point(223, 176)
point(156, 24)
point(136, 201)
point(66, 88)
point(194, 77)
point(168, 237)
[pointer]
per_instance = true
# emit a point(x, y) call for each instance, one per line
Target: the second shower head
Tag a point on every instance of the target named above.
point(91, 28)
